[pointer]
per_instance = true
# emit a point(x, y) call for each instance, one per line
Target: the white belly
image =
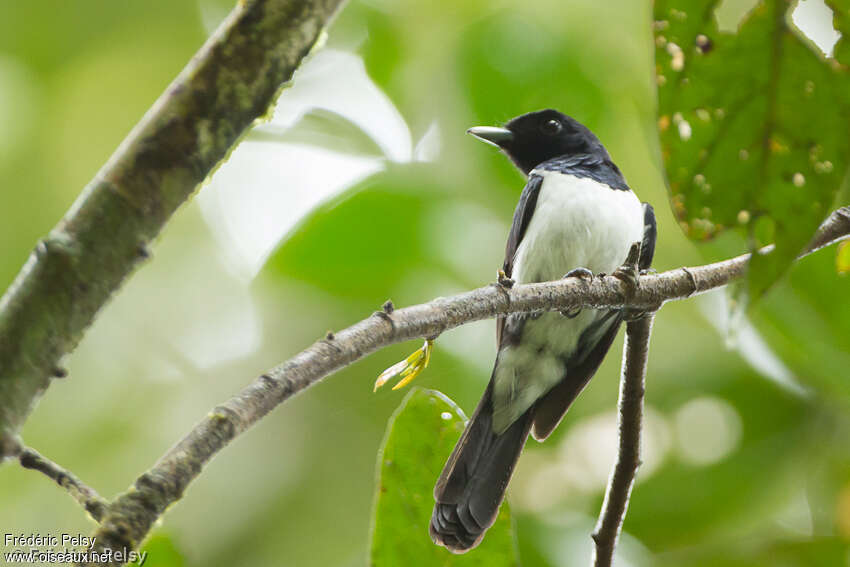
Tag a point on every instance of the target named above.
point(577, 222)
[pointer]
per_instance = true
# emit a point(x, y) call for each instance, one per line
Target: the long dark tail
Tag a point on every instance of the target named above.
point(473, 482)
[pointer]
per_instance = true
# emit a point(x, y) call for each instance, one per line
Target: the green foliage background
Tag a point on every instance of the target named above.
point(298, 489)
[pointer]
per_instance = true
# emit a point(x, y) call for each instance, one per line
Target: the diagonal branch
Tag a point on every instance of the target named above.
point(632, 385)
point(85, 496)
point(132, 514)
point(230, 82)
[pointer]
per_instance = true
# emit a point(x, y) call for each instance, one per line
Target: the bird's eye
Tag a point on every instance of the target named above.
point(551, 127)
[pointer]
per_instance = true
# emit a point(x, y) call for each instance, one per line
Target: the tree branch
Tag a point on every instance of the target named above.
point(632, 385)
point(130, 516)
point(85, 496)
point(229, 83)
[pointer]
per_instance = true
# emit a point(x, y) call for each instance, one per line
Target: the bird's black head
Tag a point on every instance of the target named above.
point(533, 138)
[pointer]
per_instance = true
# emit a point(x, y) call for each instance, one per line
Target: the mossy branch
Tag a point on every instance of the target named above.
point(230, 82)
point(132, 514)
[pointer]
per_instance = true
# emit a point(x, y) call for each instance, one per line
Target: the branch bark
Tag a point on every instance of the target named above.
point(632, 387)
point(229, 83)
point(85, 496)
point(130, 516)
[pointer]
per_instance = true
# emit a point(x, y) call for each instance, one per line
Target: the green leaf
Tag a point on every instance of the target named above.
point(420, 437)
point(753, 126)
point(162, 552)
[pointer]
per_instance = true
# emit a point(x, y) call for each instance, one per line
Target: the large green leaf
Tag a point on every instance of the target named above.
point(754, 126)
point(419, 439)
point(162, 552)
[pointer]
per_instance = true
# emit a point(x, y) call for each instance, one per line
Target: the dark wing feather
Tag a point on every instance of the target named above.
point(473, 482)
point(552, 407)
point(650, 232)
point(522, 217)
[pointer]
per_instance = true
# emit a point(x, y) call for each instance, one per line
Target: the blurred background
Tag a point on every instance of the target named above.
point(362, 187)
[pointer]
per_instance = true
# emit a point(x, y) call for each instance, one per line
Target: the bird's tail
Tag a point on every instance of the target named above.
point(473, 482)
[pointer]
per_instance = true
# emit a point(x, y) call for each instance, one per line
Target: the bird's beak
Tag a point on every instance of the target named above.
point(496, 136)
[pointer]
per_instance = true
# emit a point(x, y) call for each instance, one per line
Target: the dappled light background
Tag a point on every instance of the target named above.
point(362, 186)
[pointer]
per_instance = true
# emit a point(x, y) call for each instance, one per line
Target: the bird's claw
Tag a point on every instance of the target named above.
point(407, 369)
point(571, 313)
point(581, 273)
point(628, 272)
point(504, 280)
point(628, 275)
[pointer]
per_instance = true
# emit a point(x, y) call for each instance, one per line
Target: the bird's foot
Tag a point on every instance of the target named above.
point(582, 274)
point(407, 369)
point(628, 272)
point(633, 314)
point(504, 280)
point(571, 313)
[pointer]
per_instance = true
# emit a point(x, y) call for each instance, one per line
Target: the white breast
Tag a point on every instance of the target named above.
point(577, 222)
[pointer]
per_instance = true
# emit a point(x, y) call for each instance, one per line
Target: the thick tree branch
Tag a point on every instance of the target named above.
point(230, 82)
point(131, 515)
point(83, 494)
point(632, 385)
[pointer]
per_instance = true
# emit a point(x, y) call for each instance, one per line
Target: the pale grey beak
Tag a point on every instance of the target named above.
point(495, 136)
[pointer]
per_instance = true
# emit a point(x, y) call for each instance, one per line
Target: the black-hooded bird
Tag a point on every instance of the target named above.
point(576, 216)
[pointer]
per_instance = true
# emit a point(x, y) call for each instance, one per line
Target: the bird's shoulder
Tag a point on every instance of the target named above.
point(594, 166)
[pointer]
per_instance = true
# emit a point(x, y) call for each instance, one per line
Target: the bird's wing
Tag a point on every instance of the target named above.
point(552, 407)
point(650, 232)
point(473, 482)
point(522, 216)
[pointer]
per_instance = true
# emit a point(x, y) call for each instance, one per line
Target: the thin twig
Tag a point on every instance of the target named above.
point(85, 496)
point(227, 85)
point(131, 515)
point(632, 385)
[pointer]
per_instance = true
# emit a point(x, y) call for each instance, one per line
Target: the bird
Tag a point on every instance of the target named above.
point(576, 217)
